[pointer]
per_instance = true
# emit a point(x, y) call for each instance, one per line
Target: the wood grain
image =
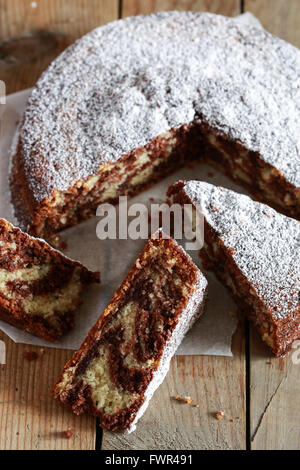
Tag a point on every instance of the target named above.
point(29, 416)
point(30, 38)
point(274, 398)
point(280, 17)
point(222, 7)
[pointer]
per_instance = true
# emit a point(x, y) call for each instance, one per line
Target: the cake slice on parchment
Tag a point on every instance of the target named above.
point(255, 252)
point(39, 287)
point(127, 353)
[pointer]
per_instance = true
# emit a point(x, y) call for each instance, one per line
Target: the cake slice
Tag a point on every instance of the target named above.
point(135, 99)
point(127, 353)
point(255, 252)
point(39, 287)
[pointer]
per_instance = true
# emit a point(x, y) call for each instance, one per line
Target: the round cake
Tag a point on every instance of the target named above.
point(135, 99)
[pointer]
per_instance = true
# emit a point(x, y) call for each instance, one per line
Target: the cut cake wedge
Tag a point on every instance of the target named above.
point(127, 353)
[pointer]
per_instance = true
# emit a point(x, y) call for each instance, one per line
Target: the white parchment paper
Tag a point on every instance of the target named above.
point(211, 335)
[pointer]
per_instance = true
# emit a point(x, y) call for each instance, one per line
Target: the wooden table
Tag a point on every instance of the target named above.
point(260, 394)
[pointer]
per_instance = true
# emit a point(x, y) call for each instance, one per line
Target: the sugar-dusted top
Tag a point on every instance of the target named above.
point(127, 82)
point(266, 244)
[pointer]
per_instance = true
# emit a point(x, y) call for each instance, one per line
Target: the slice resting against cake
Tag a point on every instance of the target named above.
point(255, 252)
point(127, 353)
point(39, 287)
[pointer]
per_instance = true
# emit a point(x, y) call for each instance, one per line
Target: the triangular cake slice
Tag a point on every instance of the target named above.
point(127, 353)
point(255, 252)
point(39, 287)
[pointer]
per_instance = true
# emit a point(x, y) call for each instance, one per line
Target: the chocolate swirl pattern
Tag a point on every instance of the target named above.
point(39, 287)
point(127, 353)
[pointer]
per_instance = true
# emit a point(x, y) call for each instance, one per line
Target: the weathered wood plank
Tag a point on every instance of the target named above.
point(222, 7)
point(29, 417)
point(32, 34)
point(31, 37)
point(213, 382)
point(274, 398)
point(280, 17)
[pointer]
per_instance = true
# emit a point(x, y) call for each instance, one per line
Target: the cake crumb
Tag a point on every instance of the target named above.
point(177, 397)
point(220, 415)
point(197, 405)
point(188, 400)
point(30, 355)
point(68, 433)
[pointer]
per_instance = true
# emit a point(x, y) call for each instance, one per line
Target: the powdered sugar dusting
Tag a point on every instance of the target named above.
point(266, 244)
point(191, 313)
point(126, 83)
